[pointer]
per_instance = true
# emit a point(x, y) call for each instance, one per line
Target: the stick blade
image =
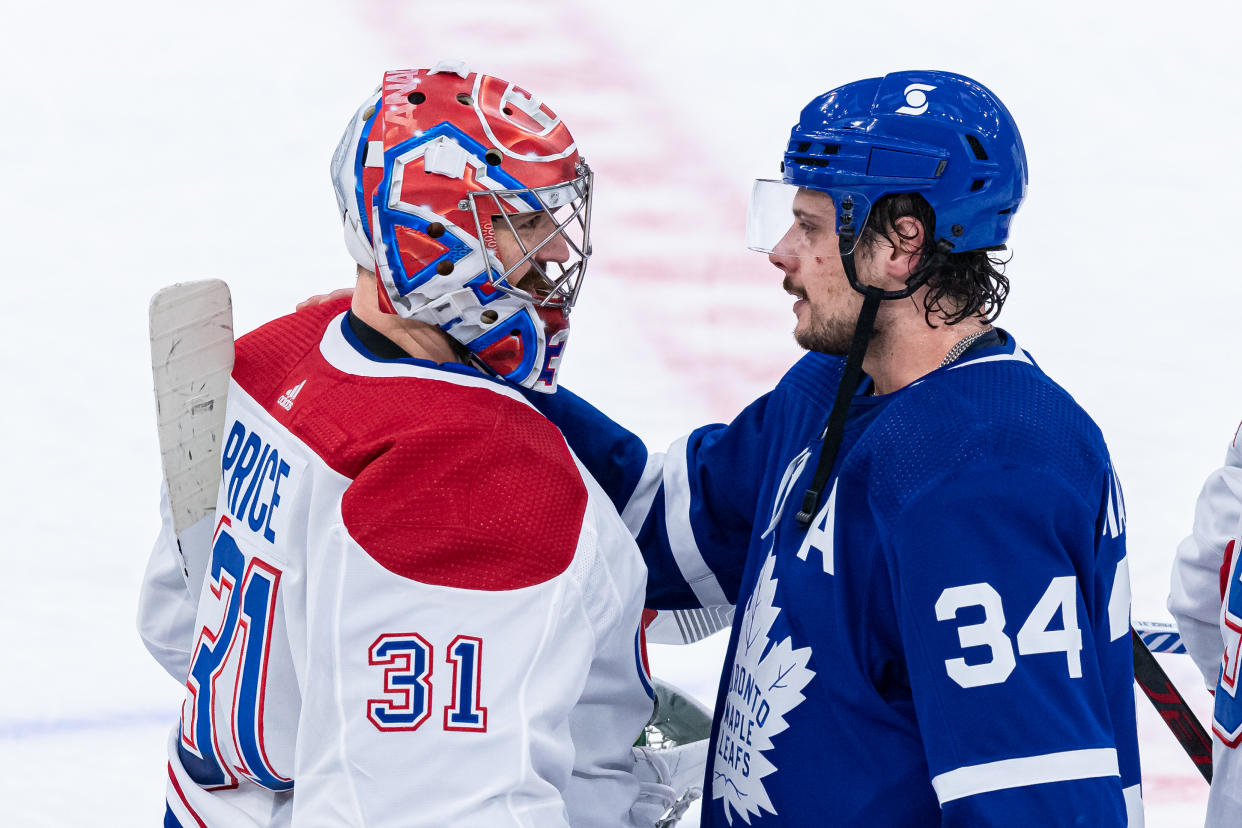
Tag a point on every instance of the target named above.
point(1160, 636)
point(191, 326)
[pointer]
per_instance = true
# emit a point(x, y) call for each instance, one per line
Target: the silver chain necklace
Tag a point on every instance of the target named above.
point(961, 346)
point(956, 351)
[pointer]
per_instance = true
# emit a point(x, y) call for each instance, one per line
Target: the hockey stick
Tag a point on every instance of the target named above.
point(1172, 707)
point(1163, 637)
point(191, 362)
point(1160, 636)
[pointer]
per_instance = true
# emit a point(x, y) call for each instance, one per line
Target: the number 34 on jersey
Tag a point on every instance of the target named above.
point(1038, 633)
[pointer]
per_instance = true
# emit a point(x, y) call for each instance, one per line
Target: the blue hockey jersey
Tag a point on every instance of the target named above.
point(946, 645)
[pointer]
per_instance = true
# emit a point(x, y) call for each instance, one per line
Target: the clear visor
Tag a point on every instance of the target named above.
point(794, 221)
point(541, 237)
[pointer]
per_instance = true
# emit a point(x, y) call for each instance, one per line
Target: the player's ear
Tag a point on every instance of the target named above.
point(907, 237)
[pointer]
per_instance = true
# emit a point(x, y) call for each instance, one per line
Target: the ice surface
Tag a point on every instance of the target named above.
point(155, 142)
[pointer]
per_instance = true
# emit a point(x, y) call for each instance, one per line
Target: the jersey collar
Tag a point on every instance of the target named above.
point(345, 351)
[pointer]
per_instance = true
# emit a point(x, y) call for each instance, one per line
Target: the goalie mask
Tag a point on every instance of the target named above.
point(467, 198)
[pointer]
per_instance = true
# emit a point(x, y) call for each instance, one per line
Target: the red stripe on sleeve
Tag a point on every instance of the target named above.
point(1225, 567)
point(172, 777)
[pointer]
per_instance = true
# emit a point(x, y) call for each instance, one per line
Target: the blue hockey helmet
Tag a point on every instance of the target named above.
point(938, 134)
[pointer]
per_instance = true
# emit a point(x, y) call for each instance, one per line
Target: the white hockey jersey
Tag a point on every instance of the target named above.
point(418, 609)
point(1206, 600)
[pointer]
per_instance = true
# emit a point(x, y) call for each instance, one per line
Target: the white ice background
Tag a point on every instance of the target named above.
point(153, 142)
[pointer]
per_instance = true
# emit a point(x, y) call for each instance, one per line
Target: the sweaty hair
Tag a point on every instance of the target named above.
point(960, 285)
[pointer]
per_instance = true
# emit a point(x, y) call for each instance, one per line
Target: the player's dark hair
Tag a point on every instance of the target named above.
point(960, 285)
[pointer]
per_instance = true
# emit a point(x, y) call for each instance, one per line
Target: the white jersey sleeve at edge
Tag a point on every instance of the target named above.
point(166, 607)
point(615, 703)
point(1194, 597)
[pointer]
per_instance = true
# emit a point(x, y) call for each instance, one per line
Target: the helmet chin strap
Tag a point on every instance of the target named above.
point(851, 376)
point(850, 379)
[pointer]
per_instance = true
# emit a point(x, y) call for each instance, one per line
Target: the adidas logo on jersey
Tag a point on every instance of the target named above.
point(287, 398)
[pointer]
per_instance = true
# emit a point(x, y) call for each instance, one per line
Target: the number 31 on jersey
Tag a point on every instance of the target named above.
point(407, 660)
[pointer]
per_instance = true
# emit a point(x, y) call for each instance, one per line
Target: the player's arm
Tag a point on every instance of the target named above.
point(617, 698)
point(1012, 597)
point(166, 603)
point(1197, 582)
point(691, 508)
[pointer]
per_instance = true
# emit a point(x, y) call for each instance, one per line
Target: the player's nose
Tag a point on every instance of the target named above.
point(783, 262)
point(556, 249)
point(782, 254)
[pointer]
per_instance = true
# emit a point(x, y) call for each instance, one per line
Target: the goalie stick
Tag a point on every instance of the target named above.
point(191, 327)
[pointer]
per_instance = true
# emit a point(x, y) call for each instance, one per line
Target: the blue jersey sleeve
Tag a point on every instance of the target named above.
point(692, 508)
point(1012, 598)
point(614, 456)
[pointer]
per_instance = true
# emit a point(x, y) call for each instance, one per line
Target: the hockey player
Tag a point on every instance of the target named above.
point(1206, 601)
point(931, 581)
point(415, 607)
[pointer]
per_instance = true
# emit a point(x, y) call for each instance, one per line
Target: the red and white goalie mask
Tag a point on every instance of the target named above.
point(467, 198)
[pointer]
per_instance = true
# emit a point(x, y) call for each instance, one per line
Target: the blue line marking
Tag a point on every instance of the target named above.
point(18, 730)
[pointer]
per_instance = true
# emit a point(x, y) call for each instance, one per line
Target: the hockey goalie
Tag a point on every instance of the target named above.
point(398, 599)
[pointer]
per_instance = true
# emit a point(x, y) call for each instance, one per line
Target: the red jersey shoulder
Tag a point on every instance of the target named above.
point(265, 357)
point(479, 493)
point(452, 484)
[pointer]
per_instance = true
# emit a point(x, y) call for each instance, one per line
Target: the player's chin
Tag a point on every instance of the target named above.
point(805, 328)
point(817, 338)
point(533, 282)
point(804, 337)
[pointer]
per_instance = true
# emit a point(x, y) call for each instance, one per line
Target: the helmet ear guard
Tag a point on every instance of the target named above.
point(416, 162)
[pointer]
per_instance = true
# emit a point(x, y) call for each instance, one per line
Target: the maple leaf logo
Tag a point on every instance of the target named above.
point(766, 684)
